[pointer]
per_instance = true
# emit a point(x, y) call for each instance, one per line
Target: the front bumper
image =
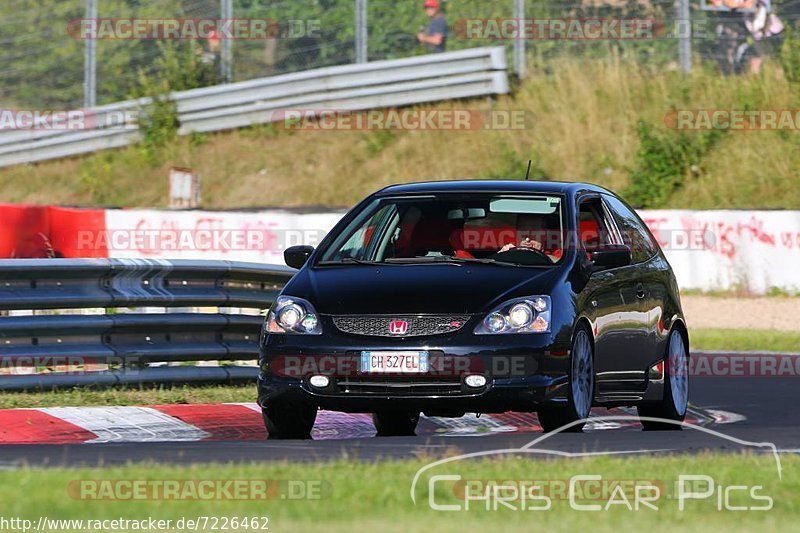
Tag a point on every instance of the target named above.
point(500, 395)
point(522, 371)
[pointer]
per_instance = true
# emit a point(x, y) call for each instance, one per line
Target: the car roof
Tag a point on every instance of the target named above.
point(495, 186)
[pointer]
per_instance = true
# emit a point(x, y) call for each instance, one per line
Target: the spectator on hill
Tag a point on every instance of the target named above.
point(435, 37)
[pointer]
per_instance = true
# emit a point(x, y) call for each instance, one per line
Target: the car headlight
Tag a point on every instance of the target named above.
point(521, 315)
point(293, 316)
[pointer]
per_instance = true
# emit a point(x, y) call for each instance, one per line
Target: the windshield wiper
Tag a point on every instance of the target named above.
point(489, 261)
point(440, 259)
point(348, 260)
point(485, 261)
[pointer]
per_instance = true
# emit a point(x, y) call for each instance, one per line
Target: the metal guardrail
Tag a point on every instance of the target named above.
point(131, 341)
point(394, 83)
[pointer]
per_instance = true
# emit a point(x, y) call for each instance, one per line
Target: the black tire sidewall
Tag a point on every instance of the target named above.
point(289, 421)
point(395, 423)
point(552, 417)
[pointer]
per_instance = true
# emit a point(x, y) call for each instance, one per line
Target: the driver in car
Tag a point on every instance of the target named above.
point(533, 230)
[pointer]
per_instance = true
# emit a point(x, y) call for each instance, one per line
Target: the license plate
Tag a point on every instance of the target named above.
point(394, 362)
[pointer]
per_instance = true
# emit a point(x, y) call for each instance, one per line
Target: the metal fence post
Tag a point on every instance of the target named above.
point(226, 13)
point(684, 28)
point(519, 43)
point(90, 58)
point(362, 32)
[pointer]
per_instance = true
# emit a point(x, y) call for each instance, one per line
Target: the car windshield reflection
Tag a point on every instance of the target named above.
point(524, 230)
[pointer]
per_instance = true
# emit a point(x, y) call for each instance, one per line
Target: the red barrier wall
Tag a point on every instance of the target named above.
point(33, 231)
point(74, 232)
point(24, 231)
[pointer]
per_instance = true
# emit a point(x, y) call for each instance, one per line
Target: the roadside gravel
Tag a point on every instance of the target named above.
point(777, 313)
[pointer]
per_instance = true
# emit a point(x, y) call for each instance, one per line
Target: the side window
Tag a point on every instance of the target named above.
point(593, 229)
point(634, 232)
point(362, 241)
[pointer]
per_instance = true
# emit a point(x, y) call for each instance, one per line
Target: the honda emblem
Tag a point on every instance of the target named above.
point(398, 327)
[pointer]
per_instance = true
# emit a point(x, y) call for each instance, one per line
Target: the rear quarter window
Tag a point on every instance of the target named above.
point(634, 232)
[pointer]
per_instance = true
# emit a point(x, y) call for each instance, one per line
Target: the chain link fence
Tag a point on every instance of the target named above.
point(48, 62)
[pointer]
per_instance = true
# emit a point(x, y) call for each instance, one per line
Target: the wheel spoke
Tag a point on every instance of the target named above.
point(678, 373)
point(582, 375)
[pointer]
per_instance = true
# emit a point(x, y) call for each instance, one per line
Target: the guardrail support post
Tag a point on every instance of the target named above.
point(226, 14)
point(519, 42)
point(362, 32)
point(90, 57)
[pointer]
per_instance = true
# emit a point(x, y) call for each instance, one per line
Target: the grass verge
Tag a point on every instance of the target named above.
point(129, 396)
point(745, 340)
point(345, 494)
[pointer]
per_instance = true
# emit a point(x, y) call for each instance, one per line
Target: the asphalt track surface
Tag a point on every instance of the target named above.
point(764, 409)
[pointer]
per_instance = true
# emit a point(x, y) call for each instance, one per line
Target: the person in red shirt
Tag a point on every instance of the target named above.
point(435, 37)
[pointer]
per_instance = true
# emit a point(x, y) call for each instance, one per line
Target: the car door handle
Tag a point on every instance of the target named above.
point(640, 293)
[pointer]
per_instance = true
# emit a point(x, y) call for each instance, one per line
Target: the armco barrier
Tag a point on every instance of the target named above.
point(130, 342)
point(401, 82)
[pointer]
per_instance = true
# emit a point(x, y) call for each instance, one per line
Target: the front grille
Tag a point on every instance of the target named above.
point(417, 325)
point(400, 386)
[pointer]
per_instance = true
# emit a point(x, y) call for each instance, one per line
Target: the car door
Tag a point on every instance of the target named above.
point(651, 285)
point(613, 299)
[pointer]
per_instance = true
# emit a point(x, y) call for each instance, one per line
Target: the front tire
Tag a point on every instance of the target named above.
point(285, 421)
point(676, 389)
point(395, 423)
point(581, 387)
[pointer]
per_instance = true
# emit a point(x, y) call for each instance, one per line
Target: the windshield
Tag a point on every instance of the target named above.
point(524, 230)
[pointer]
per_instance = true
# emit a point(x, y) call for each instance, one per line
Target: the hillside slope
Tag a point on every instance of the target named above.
point(584, 127)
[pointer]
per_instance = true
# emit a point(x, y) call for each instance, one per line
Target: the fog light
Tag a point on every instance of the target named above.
point(319, 382)
point(496, 322)
point(475, 381)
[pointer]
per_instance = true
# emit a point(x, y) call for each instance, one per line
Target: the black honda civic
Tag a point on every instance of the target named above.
point(451, 297)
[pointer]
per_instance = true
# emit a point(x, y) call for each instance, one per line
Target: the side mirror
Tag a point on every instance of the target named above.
point(296, 256)
point(611, 256)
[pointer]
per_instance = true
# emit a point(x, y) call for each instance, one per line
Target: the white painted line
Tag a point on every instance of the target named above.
point(469, 425)
point(128, 424)
point(725, 417)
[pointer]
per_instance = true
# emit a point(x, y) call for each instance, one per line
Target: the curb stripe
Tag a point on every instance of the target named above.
point(242, 422)
point(333, 425)
point(470, 426)
point(128, 424)
point(32, 426)
point(221, 422)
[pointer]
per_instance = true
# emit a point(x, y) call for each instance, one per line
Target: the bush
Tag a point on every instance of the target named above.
point(178, 69)
point(790, 54)
point(664, 160)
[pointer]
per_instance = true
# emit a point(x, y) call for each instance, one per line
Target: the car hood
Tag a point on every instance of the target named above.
point(410, 289)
